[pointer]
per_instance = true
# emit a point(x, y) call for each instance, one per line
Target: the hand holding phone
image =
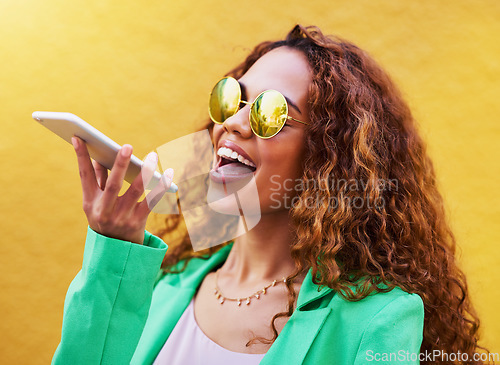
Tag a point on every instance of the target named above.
point(121, 217)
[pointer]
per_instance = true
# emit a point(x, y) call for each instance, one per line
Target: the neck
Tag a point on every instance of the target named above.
point(263, 253)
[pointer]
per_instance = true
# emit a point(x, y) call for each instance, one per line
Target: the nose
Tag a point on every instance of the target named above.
point(239, 123)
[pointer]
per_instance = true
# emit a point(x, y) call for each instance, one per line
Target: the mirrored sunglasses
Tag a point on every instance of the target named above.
point(268, 112)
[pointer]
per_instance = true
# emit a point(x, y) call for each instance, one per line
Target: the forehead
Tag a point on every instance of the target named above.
point(283, 69)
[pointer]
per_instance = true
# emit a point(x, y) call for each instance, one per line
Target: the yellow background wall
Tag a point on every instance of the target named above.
point(141, 72)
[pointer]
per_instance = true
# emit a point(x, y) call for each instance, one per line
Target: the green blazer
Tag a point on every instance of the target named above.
point(118, 310)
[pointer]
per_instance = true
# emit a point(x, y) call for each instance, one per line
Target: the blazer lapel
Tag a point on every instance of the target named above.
point(301, 329)
point(296, 338)
point(170, 299)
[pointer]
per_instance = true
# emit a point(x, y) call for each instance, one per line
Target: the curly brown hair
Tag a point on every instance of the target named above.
point(363, 131)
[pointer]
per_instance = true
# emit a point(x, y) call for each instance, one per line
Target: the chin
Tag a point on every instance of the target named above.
point(236, 199)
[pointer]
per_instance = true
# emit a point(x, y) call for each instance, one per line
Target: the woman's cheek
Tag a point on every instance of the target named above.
point(278, 193)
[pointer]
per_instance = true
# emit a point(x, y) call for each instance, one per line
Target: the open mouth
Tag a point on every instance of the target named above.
point(232, 167)
point(224, 161)
point(232, 162)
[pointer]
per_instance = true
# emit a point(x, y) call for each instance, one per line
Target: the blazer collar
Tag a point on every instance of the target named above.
point(309, 292)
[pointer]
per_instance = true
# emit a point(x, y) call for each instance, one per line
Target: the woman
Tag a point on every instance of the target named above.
point(351, 262)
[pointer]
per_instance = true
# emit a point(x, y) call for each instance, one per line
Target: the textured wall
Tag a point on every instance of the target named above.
point(142, 74)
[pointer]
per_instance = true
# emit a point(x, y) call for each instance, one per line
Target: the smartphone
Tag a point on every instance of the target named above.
point(101, 148)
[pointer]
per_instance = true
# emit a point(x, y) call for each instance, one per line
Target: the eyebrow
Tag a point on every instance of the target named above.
point(291, 103)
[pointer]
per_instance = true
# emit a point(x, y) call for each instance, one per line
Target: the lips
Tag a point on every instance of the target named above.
point(233, 146)
point(233, 164)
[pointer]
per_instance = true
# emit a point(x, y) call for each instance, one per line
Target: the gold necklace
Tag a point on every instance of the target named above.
point(257, 294)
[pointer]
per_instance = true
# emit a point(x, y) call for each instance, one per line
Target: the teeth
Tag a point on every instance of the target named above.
point(233, 155)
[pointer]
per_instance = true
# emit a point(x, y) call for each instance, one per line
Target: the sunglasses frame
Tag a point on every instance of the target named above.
point(240, 101)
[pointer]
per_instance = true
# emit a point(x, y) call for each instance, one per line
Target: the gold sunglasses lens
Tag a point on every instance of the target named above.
point(224, 100)
point(268, 114)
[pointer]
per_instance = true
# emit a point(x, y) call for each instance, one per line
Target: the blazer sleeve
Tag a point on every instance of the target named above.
point(108, 301)
point(394, 335)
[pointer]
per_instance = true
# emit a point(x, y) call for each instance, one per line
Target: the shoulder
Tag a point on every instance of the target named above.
point(312, 297)
point(381, 323)
point(395, 300)
point(393, 328)
point(379, 309)
point(387, 308)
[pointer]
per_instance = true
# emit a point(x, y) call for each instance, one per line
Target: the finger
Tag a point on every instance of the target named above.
point(137, 187)
point(155, 195)
point(86, 170)
point(115, 179)
point(149, 168)
point(101, 174)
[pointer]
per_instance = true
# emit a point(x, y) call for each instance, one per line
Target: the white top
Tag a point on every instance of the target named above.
point(187, 344)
